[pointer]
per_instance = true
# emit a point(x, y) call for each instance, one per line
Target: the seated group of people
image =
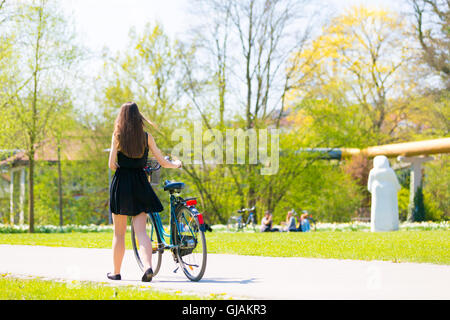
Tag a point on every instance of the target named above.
point(290, 225)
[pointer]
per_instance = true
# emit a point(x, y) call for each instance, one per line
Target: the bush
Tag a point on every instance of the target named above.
point(403, 203)
point(432, 210)
point(436, 187)
point(320, 226)
point(7, 228)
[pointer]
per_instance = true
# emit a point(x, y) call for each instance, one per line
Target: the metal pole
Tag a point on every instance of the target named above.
point(11, 197)
point(22, 195)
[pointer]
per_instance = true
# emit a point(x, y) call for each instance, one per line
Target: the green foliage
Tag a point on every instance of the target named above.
point(334, 124)
point(432, 211)
point(85, 193)
point(71, 228)
point(149, 73)
point(437, 187)
point(345, 92)
point(418, 211)
point(403, 203)
point(323, 189)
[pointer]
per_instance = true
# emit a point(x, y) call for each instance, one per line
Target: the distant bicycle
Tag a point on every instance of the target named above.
point(236, 223)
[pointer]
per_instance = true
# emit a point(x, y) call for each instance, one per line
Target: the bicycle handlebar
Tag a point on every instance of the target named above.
point(153, 165)
point(247, 209)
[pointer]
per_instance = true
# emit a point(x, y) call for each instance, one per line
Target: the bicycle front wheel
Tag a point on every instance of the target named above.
point(191, 244)
point(252, 225)
point(157, 249)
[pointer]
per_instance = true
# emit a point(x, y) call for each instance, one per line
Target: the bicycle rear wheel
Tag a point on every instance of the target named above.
point(191, 251)
point(233, 225)
point(157, 249)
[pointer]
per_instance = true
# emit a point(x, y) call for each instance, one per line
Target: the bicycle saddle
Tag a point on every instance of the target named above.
point(173, 185)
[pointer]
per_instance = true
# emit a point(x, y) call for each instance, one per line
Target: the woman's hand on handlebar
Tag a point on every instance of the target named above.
point(177, 163)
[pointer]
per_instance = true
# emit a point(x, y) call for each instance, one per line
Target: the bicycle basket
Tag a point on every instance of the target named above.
point(153, 174)
point(188, 244)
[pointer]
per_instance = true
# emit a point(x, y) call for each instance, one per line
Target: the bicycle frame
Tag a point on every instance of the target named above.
point(240, 219)
point(250, 217)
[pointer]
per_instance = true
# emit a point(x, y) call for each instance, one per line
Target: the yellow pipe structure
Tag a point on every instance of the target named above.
point(424, 147)
point(414, 153)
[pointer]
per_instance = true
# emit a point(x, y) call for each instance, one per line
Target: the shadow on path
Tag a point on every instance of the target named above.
point(204, 280)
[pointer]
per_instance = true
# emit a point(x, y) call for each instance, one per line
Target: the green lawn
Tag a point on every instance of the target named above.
point(400, 246)
point(38, 289)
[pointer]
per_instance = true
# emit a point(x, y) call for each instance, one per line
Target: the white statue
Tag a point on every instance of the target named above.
point(383, 185)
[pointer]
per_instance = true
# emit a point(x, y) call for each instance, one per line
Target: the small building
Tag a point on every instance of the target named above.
point(14, 169)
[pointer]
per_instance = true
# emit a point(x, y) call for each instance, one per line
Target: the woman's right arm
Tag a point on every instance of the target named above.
point(159, 156)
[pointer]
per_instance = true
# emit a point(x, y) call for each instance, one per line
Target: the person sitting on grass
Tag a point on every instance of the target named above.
point(291, 222)
point(266, 223)
point(304, 221)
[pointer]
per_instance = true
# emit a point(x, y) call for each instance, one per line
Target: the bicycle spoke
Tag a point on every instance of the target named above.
point(191, 253)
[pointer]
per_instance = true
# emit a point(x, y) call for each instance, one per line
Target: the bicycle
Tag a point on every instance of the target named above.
point(186, 233)
point(235, 223)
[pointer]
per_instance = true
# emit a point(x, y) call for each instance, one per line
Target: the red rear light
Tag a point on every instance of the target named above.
point(192, 202)
point(200, 218)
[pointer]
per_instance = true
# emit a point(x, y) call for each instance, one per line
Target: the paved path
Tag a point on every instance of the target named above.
point(243, 277)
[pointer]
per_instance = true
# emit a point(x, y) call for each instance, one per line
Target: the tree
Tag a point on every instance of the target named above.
point(436, 189)
point(416, 213)
point(247, 45)
point(149, 73)
point(47, 50)
point(432, 21)
point(363, 57)
point(62, 124)
point(10, 84)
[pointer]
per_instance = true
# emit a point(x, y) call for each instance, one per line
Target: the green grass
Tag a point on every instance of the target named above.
point(38, 289)
point(400, 246)
point(75, 239)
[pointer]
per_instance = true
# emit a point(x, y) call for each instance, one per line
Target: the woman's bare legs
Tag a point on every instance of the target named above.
point(118, 244)
point(145, 245)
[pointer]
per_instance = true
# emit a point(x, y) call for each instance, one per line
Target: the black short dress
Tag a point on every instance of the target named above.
point(130, 193)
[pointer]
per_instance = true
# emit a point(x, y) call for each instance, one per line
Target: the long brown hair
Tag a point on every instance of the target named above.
point(129, 130)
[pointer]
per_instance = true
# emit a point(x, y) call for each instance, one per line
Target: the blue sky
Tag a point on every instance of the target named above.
point(107, 22)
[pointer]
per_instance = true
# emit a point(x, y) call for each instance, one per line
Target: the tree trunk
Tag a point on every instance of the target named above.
point(31, 192)
point(60, 195)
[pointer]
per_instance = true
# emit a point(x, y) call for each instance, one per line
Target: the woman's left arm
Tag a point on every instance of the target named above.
point(113, 154)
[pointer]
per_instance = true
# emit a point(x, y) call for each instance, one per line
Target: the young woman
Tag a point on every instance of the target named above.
point(291, 223)
point(130, 191)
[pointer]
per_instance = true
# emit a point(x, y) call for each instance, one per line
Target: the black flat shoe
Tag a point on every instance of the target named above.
point(148, 275)
point(114, 276)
